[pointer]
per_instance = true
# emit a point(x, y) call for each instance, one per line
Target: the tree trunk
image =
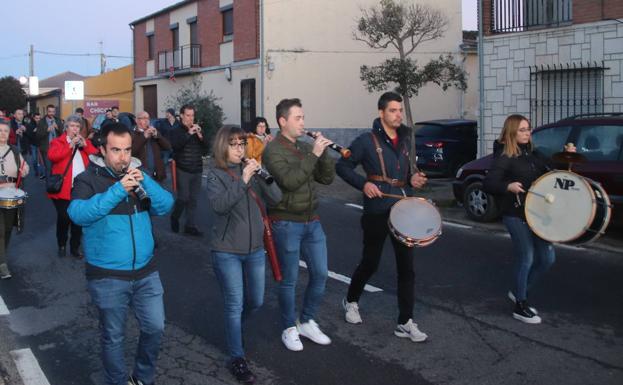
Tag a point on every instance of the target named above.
point(408, 114)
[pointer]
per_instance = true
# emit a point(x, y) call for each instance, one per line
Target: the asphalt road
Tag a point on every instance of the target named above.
point(461, 304)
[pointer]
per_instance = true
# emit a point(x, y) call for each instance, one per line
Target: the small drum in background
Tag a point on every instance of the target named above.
point(12, 198)
point(562, 206)
point(415, 222)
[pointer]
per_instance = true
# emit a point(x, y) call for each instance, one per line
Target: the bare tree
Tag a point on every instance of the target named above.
point(404, 27)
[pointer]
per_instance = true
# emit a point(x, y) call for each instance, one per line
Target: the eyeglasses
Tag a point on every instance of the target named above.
point(238, 144)
point(523, 130)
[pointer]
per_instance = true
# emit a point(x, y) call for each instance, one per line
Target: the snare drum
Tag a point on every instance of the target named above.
point(12, 198)
point(415, 222)
point(562, 206)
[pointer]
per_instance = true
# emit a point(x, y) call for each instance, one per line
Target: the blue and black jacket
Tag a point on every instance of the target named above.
point(118, 240)
point(363, 151)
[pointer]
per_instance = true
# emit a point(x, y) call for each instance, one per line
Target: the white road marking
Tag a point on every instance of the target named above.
point(3, 309)
point(28, 367)
point(355, 206)
point(345, 279)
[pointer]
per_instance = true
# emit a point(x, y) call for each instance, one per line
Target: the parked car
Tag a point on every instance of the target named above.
point(598, 137)
point(444, 145)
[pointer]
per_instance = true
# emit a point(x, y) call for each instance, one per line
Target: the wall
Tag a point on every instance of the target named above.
point(507, 59)
point(311, 54)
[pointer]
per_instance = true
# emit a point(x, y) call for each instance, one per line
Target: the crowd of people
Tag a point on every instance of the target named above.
point(107, 183)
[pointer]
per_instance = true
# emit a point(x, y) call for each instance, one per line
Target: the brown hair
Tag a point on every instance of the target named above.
point(221, 143)
point(508, 136)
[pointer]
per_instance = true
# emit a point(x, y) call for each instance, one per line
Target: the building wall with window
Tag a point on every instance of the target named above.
point(548, 72)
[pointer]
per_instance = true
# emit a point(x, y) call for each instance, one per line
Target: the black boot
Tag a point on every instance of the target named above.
point(238, 367)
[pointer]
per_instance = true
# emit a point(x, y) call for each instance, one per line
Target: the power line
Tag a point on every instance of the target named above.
point(13, 56)
point(80, 54)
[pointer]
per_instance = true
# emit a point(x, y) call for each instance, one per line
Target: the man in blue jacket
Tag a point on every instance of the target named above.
point(118, 246)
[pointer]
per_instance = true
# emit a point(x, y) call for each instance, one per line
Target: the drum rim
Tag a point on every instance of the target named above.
point(607, 214)
point(529, 197)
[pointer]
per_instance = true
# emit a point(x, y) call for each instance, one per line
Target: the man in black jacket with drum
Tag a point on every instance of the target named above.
point(189, 146)
point(384, 155)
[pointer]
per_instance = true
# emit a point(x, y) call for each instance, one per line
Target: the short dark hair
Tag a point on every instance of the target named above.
point(50, 106)
point(257, 121)
point(387, 97)
point(186, 107)
point(114, 108)
point(118, 129)
point(36, 114)
point(79, 110)
point(283, 108)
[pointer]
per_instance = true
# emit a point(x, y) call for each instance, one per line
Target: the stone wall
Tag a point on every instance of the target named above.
point(508, 57)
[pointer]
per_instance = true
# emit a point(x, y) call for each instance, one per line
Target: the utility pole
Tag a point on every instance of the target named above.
point(102, 58)
point(31, 61)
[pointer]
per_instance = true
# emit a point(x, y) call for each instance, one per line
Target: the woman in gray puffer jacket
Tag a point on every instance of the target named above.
point(235, 194)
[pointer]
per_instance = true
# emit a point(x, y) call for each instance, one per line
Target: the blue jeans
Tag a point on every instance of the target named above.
point(307, 240)
point(534, 256)
point(34, 153)
point(113, 297)
point(241, 277)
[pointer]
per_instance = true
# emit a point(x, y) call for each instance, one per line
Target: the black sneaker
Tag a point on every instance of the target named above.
point(238, 367)
point(175, 224)
point(191, 230)
point(523, 313)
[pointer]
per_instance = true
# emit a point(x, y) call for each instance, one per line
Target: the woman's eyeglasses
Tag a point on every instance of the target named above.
point(238, 144)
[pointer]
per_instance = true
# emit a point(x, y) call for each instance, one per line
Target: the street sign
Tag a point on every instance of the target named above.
point(74, 90)
point(92, 108)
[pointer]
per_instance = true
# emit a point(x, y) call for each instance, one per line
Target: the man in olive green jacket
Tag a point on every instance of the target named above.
point(296, 226)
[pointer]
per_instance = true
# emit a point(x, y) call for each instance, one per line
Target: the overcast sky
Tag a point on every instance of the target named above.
point(64, 26)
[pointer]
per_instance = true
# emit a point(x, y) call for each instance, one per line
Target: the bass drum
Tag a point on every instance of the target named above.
point(564, 207)
point(415, 222)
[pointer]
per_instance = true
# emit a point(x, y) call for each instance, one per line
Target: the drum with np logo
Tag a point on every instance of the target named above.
point(562, 206)
point(12, 198)
point(415, 222)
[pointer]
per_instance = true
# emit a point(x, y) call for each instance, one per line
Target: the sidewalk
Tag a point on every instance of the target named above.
point(440, 192)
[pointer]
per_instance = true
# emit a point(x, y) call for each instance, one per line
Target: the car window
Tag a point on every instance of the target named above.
point(429, 130)
point(600, 142)
point(551, 140)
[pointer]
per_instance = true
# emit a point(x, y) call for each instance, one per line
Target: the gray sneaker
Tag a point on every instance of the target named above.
point(352, 315)
point(411, 331)
point(4, 271)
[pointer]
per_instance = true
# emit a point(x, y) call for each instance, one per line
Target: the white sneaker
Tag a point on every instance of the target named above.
point(5, 273)
point(352, 312)
point(511, 296)
point(311, 331)
point(290, 338)
point(410, 330)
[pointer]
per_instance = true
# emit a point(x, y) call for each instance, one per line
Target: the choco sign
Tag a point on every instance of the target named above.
point(92, 108)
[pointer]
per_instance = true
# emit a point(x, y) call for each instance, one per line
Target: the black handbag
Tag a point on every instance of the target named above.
point(54, 182)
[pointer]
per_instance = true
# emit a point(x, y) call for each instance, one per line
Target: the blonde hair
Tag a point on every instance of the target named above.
point(508, 136)
point(221, 143)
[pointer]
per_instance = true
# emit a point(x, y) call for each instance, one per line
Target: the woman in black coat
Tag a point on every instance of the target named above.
point(515, 167)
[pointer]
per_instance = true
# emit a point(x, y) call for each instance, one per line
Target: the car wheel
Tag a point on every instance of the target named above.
point(479, 205)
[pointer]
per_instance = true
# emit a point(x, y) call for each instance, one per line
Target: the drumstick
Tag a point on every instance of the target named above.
point(394, 196)
point(549, 198)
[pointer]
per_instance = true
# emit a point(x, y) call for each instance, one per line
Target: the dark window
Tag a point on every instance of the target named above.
point(150, 47)
point(247, 103)
point(175, 38)
point(551, 140)
point(228, 24)
point(560, 91)
point(193, 33)
point(523, 15)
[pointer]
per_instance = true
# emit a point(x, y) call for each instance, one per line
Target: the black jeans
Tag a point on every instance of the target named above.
point(375, 230)
point(188, 190)
point(7, 219)
point(62, 226)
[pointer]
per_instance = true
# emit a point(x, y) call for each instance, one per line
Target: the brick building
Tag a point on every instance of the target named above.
point(550, 59)
point(252, 53)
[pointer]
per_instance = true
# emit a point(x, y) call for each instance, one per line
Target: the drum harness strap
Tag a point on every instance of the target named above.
point(3, 177)
point(384, 177)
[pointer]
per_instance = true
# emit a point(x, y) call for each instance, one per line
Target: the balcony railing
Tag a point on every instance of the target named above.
point(524, 15)
point(184, 57)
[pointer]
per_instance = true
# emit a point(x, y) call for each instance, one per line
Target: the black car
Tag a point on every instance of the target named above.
point(598, 138)
point(444, 145)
